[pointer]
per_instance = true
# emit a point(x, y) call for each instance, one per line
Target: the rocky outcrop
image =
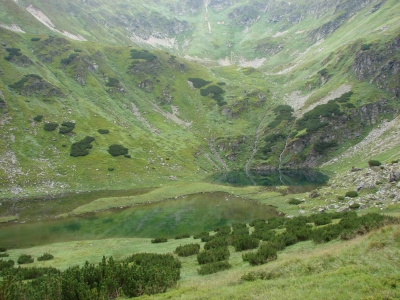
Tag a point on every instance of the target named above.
point(380, 66)
point(151, 25)
point(244, 15)
point(340, 129)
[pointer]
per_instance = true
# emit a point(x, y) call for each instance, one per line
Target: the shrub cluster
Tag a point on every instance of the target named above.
point(35, 39)
point(159, 240)
point(3, 254)
point(365, 47)
point(103, 131)
point(116, 150)
point(322, 147)
point(283, 113)
point(67, 61)
point(215, 243)
point(187, 250)
point(265, 253)
point(142, 54)
point(245, 242)
point(182, 236)
point(29, 273)
point(38, 118)
point(374, 163)
point(213, 255)
point(351, 194)
point(293, 201)
point(198, 82)
point(137, 275)
point(12, 52)
point(66, 127)
point(214, 267)
point(204, 236)
point(50, 126)
point(25, 259)
point(2, 249)
point(46, 256)
point(215, 92)
point(311, 119)
point(82, 147)
point(112, 82)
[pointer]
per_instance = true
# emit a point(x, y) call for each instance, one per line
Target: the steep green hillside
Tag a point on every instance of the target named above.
point(314, 80)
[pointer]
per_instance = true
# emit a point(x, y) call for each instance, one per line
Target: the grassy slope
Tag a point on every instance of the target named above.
point(365, 267)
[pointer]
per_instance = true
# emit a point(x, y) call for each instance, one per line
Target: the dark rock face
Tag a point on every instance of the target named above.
point(341, 128)
point(394, 176)
point(153, 24)
point(380, 66)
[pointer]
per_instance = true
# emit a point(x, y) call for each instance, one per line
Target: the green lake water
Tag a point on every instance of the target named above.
point(190, 214)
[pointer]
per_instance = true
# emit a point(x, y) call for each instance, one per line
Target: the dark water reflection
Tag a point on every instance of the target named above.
point(307, 177)
point(191, 214)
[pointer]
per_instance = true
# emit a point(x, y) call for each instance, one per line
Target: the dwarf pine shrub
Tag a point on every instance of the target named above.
point(25, 259)
point(213, 255)
point(214, 267)
point(116, 150)
point(374, 163)
point(45, 256)
point(351, 194)
point(50, 126)
point(159, 240)
point(187, 250)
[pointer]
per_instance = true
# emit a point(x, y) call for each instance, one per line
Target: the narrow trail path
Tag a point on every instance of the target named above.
point(206, 3)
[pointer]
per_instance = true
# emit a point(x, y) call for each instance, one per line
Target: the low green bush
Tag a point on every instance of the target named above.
point(112, 82)
point(6, 264)
point(340, 198)
point(374, 163)
point(50, 126)
point(45, 256)
point(187, 250)
point(20, 83)
point(110, 169)
point(182, 236)
point(82, 147)
point(214, 267)
point(265, 253)
point(216, 243)
point(127, 155)
point(159, 240)
point(294, 201)
point(365, 47)
point(2, 249)
point(77, 50)
point(3, 254)
point(223, 230)
point(283, 113)
point(326, 233)
point(351, 194)
point(321, 219)
point(142, 54)
point(31, 272)
point(198, 82)
point(322, 147)
point(116, 150)
point(25, 259)
point(354, 206)
point(38, 118)
point(213, 255)
point(245, 242)
point(35, 39)
point(103, 131)
point(66, 127)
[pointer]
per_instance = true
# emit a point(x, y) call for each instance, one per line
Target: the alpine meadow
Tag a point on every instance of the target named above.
point(187, 149)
